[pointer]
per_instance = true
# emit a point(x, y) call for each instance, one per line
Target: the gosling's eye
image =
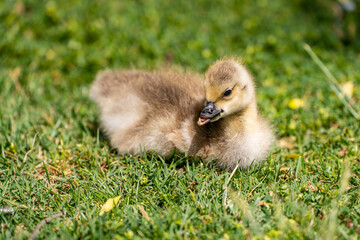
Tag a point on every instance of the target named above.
point(227, 93)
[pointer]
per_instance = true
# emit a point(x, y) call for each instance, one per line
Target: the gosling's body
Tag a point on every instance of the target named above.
point(159, 111)
point(152, 111)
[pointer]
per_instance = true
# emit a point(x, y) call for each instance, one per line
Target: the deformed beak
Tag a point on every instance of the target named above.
point(208, 113)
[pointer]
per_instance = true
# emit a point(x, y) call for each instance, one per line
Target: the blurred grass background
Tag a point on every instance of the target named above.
point(54, 159)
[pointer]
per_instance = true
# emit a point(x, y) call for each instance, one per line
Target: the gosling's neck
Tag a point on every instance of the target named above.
point(244, 120)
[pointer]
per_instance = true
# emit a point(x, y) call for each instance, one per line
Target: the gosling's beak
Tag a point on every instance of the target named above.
point(209, 113)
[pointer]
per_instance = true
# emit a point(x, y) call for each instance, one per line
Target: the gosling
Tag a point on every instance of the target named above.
point(162, 111)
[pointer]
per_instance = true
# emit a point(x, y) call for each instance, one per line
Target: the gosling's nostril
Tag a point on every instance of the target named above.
point(210, 110)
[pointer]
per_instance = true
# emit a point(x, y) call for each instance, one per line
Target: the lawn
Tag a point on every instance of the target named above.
point(53, 157)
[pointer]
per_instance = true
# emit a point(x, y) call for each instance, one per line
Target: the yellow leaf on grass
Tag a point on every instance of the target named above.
point(292, 156)
point(296, 103)
point(284, 169)
point(348, 88)
point(12, 148)
point(110, 204)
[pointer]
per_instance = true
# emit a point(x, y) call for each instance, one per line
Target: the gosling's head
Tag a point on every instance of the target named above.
point(229, 89)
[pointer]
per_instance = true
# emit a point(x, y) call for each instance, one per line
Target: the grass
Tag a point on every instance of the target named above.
point(53, 157)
